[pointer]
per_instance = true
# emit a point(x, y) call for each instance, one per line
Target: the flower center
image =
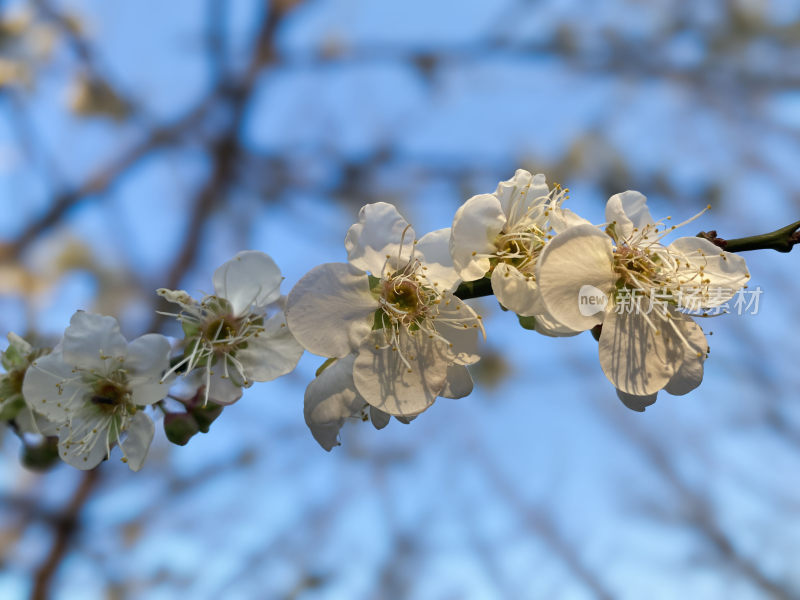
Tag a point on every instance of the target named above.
point(404, 299)
point(410, 305)
point(519, 246)
point(222, 332)
point(636, 268)
point(213, 336)
point(111, 393)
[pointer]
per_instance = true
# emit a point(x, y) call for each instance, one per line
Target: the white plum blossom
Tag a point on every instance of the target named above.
point(502, 235)
point(391, 312)
point(688, 372)
point(15, 360)
point(94, 387)
point(331, 399)
point(649, 344)
point(229, 336)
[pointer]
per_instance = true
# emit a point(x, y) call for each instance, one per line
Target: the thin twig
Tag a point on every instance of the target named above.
point(102, 180)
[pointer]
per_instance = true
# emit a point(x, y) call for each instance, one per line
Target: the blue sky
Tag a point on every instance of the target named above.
point(451, 505)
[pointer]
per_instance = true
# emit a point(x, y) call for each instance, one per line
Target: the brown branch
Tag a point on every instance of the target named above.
point(225, 151)
point(107, 175)
point(67, 28)
point(103, 179)
point(227, 148)
point(782, 240)
point(66, 527)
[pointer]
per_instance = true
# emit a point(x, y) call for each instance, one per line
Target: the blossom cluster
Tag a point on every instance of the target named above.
point(392, 323)
point(92, 391)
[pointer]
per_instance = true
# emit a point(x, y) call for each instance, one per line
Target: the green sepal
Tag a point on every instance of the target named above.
point(324, 366)
point(374, 285)
point(190, 328)
point(217, 305)
point(10, 385)
point(527, 322)
point(10, 407)
point(114, 429)
point(13, 359)
point(380, 320)
point(191, 347)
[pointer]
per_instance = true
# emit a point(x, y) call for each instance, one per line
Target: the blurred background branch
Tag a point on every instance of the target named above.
point(142, 144)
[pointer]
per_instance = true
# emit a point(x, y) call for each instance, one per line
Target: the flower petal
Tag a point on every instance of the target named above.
point(515, 291)
point(454, 322)
point(547, 325)
point(404, 379)
point(724, 272)
point(249, 279)
point(148, 356)
point(179, 297)
point(221, 390)
point(458, 384)
point(433, 251)
point(75, 457)
point(577, 257)
point(564, 218)
point(147, 360)
point(380, 232)
point(330, 400)
point(688, 377)
point(637, 403)
point(137, 440)
point(524, 198)
point(690, 373)
point(93, 342)
point(476, 226)
point(51, 387)
point(330, 310)
point(272, 353)
point(28, 421)
point(149, 392)
point(378, 418)
point(628, 211)
point(638, 359)
point(95, 433)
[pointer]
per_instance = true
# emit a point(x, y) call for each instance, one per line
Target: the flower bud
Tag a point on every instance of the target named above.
point(180, 427)
point(42, 456)
point(205, 415)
